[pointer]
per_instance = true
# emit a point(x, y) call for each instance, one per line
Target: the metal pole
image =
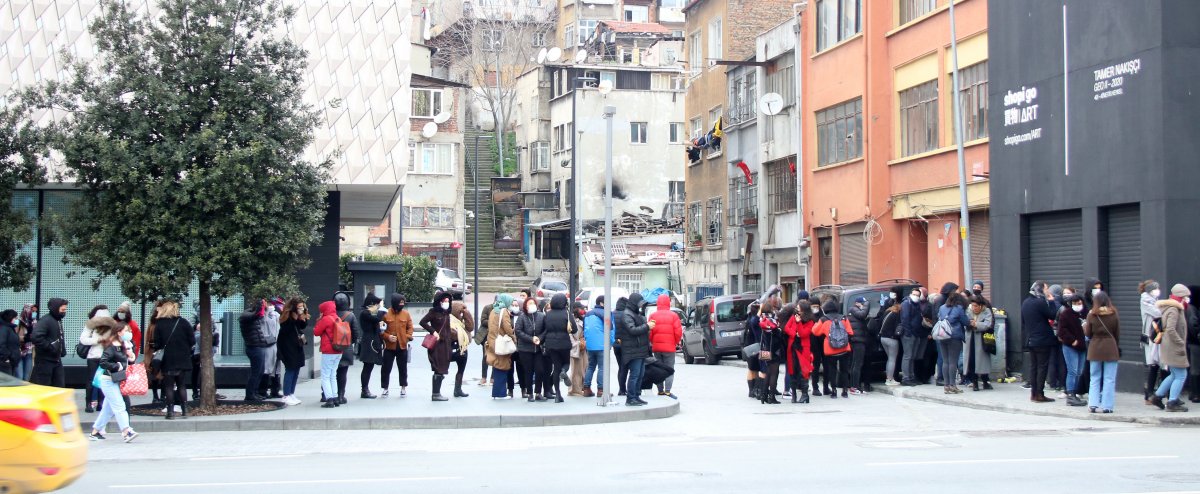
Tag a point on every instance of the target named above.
point(609, 300)
point(498, 115)
point(475, 234)
point(964, 221)
point(573, 256)
point(797, 52)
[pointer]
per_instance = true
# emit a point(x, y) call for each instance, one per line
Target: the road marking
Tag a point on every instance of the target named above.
point(284, 482)
point(1017, 460)
point(704, 443)
point(249, 457)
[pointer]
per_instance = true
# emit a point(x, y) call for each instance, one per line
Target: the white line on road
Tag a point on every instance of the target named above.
point(703, 443)
point(249, 457)
point(1016, 460)
point(284, 482)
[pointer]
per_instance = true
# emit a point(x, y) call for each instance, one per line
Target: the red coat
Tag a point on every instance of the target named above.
point(326, 326)
point(668, 330)
point(803, 331)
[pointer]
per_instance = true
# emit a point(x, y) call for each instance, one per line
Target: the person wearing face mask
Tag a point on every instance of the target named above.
point(28, 317)
point(175, 337)
point(913, 337)
point(342, 303)
point(254, 333)
point(268, 386)
point(798, 329)
point(978, 362)
point(516, 378)
point(124, 315)
point(1074, 349)
point(858, 344)
point(370, 343)
point(114, 360)
point(396, 337)
point(89, 338)
point(529, 351)
point(10, 342)
point(500, 324)
point(633, 331)
point(977, 288)
point(554, 333)
point(292, 324)
point(1150, 294)
point(462, 325)
point(579, 353)
point(593, 336)
point(437, 322)
point(1036, 313)
point(1173, 354)
point(817, 346)
point(1104, 328)
point(1090, 288)
point(49, 348)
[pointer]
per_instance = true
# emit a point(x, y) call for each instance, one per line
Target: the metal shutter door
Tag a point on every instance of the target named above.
point(1055, 247)
point(852, 250)
point(825, 257)
point(981, 255)
point(1124, 264)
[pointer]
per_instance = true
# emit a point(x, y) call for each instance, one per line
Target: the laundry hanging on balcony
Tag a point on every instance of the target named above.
point(745, 171)
point(710, 141)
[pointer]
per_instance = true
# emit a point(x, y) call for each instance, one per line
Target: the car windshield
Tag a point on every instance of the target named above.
point(7, 381)
point(584, 295)
point(555, 286)
point(733, 311)
point(450, 273)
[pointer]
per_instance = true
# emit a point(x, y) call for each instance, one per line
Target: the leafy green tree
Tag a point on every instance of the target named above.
point(187, 137)
point(21, 146)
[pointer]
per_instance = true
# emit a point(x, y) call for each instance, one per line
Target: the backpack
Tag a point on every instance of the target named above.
point(342, 338)
point(838, 337)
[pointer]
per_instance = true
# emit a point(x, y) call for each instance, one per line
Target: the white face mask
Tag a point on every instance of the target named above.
point(514, 308)
point(914, 298)
point(1095, 291)
point(531, 310)
point(1155, 293)
point(445, 306)
point(1078, 308)
point(14, 322)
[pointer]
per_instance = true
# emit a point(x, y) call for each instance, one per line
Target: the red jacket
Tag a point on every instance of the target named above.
point(822, 329)
point(326, 326)
point(802, 330)
point(667, 329)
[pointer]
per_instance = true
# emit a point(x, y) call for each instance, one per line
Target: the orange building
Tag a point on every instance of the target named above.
point(880, 184)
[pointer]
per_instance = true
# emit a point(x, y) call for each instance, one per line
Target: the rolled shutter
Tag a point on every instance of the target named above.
point(1124, 272)
point(852, 250)
point(1055, 248)
point(981, 255)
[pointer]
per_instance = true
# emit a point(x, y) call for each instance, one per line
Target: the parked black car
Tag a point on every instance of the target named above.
point(877, 294)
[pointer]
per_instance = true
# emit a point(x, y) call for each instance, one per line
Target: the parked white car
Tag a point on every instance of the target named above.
point(588, 295)
point(448, 281)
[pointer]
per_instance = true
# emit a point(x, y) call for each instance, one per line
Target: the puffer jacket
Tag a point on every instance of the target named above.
point(556, 327)
point(252, 322)
point(326, 326)
point(668, 329)
point(593, 330)
point(526, 327)
point(632, 331)
point(858, 320)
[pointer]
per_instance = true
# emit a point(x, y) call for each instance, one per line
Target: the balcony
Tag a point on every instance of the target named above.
point(539, 201)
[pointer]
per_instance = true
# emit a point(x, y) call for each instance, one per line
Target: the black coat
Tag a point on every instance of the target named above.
point(774, 341)
point(114, 360)
point(632, 331)
point(176, 343)
point(557, 326)
point(526, 327)
point(47, 335)
point(291, 350)
point(10, 344)
point(370, 343)
point(1036, 313)
point(891, 325)
point(253, 332)
point(858, 322)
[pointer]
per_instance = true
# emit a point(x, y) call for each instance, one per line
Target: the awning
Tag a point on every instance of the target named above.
point(552, 225)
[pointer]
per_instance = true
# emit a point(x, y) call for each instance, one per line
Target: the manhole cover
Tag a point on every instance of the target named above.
point(902, 444)
point(1177, 478)
point(1012, 433)
point(664, 475)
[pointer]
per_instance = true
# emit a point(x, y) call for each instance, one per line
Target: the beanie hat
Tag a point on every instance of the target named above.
point(1056, 290)
point(1180, 291)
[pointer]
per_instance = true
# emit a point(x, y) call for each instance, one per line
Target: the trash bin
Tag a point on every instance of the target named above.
point(1000, 359)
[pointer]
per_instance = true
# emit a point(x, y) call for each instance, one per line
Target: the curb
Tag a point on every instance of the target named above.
point(402, 423)
point(1051, 411)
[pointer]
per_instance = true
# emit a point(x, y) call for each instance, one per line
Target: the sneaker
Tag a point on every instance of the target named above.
point(384, 394)
point(1027, 386)
point(670, 395)
point(97, 436)
point(130, 436)
point(855, 391)
point(403, 392)
point(1061, 396)
point(176, 410)
point(891, 383)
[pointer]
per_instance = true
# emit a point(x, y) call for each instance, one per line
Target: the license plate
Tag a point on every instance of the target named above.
point(68, 421)
point(727, 334)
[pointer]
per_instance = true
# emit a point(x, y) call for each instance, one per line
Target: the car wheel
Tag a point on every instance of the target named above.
point(687, 357)
point(710, 358)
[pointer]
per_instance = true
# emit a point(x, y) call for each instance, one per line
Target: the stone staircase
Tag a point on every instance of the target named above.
point(500, 270)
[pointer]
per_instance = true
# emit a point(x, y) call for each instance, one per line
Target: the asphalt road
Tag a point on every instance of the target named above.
point(721, 441)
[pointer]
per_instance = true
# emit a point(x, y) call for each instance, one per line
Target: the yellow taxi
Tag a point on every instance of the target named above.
point(41, 446)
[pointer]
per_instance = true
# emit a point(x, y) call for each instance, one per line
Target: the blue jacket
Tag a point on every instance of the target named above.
point(1036, 313)
point(593, 330)
point(910, 320)
point(957, 317)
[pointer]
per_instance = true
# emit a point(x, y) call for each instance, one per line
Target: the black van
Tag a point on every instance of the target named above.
point(877, 294)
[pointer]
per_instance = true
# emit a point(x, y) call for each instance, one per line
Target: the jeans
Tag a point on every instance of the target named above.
point(595, 360)
point(637, 369)
point(914, 349)
point(329, 367)
point(1173, 383)
point(25, 367)
point(892, 347)
point(1075, 360)
point(399, 357)
point(290, 375)
point(1103, 389)
point(258, 361)
point(113, 408)
point(669, 359)
point(950, 350)
point(858, 353)
point(1039, 363)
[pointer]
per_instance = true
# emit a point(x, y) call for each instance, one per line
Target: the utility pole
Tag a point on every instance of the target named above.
point(964, 219)
point(609, 299)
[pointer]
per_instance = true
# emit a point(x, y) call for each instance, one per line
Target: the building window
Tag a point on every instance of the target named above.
point(569, 36)
point(431, 158)
point(677, 133)
point(631, 282)
point(610, 76)
point(973, 99)
point(586, 28)
point(918, 119)
point(695, 54)
point(839, 133)
point(666, 82)
point(672, 4)
point(539, 39)
point(910, 10)
point(742, 98)
point(780, 80)
point(562, 137)
point(837, 21)
point(714, 115)
point(492, 39)
point(637, 13)
point(670, 56)
point(541, 156)
point(426, 103)
point(713, 210)
point(637, 132)
point(743, 200)
point(694, 230)
point(715, 47)
point(781, 187)
point(427, 217)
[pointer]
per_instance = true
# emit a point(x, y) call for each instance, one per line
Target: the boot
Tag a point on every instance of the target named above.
point(1149, 388)
point(1194, 384)
point(263, 384)
point(183, 410)
point(458, 392)
point(276, 385)
point(366, 394)
point(975, 384)
point(802, 389)
point(558, 392)
point(437, 388)
point(764, 394)
point(587, 392)
point(1176, 406)
point(750, 387)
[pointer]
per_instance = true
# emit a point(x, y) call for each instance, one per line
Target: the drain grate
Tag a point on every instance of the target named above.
point(1013, 433)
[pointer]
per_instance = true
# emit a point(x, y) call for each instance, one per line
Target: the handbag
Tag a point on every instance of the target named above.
point(505, 346)
point(942, 330)
point(751, 351)
point(96, 377)
point(430, 341)
point(82, 350)
point(136, 382)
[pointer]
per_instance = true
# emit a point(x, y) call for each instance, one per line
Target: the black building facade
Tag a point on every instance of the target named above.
point(1095, 118)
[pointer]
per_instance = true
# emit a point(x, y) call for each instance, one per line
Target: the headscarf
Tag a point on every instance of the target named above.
point(503, 301)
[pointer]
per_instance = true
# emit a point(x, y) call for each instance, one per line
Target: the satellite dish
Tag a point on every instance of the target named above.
point(581, 55)
point(541, 56)
point(771, 103)
point(554, 54)
point(429, 130)
point(606, 86)
point(441, 118)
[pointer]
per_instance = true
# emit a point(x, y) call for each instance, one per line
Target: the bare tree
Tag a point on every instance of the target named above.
point(489, 45)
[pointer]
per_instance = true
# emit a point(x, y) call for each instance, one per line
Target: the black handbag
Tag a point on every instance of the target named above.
point(156, 359)
point(82, 350)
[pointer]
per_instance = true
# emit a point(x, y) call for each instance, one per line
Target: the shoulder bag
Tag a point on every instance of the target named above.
point(136, 381)
point(156, 360)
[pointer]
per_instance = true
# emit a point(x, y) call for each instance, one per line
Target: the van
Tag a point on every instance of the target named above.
point(877, 294)
point(713, 327)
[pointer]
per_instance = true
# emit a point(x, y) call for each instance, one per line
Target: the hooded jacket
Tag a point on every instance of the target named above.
point(370, 342)
point(341, 302)
point(830, 309)
point(252, 323)
point(911, 318)
point(47, 336)
point(10, 344)
point(632, 330)
point(326, 326)
point(668, 329)
point(1087, 291)
point(399, 324)
point(526, 326)
point(593, 330)
point(858, 320)
point(557, 325)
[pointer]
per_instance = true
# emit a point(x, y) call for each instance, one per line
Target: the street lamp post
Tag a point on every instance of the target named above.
point(475, 209)
point(964, 219)
point(609, 112)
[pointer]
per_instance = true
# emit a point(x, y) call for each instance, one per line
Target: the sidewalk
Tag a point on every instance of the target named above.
point(416, 411)
point(1012, 398)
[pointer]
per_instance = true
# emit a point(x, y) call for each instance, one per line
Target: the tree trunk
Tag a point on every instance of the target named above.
point(208, 382)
